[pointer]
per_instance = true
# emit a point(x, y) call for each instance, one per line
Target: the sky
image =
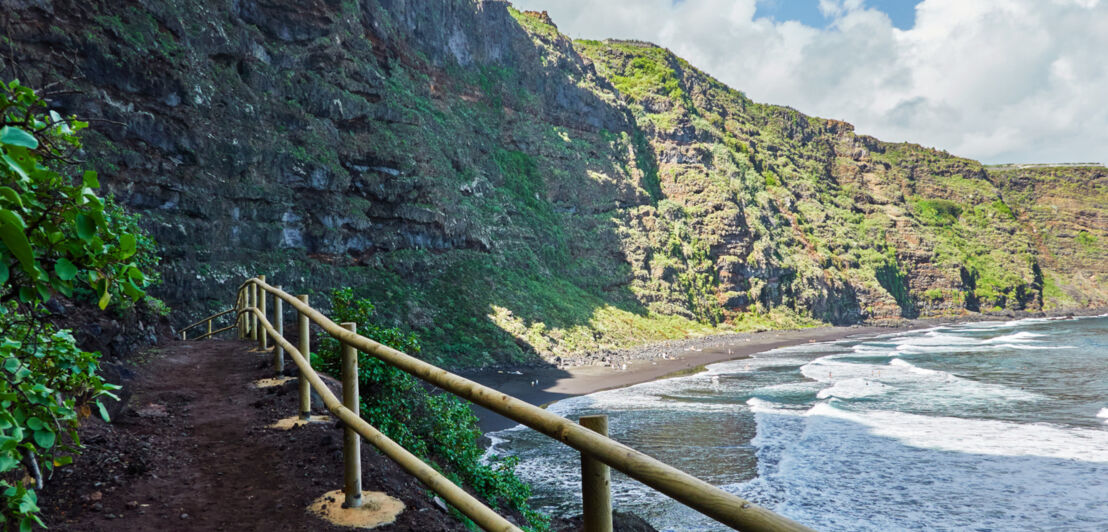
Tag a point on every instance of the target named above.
point(1000, 81)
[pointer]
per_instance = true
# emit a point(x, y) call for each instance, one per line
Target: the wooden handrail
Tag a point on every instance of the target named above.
point(209, 318)
point(457, 497)
point(697, 494)
point(213, 333)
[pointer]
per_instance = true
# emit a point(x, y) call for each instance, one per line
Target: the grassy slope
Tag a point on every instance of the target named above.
point(1065, 210)
point(557, 203)
point(505, 227)
point(727, 214)
point(841, 219)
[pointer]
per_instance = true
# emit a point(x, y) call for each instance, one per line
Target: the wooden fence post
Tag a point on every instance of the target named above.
point(263, 333)
point(243, 318)
point(238, 317)
point(305, 349)
point(596, 480)
point(351, 442)
point(209, 329)
point(279, 325)
point(252, 302)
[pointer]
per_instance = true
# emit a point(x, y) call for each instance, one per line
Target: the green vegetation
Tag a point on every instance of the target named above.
point(439, 428)
point(57, 237)
point(938, 211)
point(1086, 240)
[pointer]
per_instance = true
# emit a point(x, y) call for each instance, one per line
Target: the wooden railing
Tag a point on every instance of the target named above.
point(209, 320)
point(597, 450)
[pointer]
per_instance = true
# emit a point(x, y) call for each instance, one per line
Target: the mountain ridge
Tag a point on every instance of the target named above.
point(514, 196)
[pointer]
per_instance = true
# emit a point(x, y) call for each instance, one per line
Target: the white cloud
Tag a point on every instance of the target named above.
point(995, 80)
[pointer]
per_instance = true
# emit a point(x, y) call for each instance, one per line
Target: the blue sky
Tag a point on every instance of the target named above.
point(993, 80)
point(901, 12)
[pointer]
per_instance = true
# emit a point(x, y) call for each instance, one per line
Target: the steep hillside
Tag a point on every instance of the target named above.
point(505, 192)
point(1065, 212)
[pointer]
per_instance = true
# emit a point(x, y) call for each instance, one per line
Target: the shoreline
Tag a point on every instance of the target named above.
point(541, 386)
point(663, 360)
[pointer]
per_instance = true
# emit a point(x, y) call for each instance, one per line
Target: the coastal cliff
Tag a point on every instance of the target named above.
point(512, 196)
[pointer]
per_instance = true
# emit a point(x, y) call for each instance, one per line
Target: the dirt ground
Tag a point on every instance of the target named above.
point(192, 451)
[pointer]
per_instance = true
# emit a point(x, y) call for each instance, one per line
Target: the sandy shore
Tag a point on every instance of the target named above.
point(541, 386)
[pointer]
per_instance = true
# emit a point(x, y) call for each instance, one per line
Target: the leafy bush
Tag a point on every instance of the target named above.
point(938, 211)
point(1086, 240)
point(439, 428)
point(56, 237)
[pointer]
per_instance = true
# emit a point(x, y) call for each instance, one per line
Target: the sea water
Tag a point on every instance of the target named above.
point(985, 426)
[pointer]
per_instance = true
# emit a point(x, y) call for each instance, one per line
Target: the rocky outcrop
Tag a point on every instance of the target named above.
point(506, 192)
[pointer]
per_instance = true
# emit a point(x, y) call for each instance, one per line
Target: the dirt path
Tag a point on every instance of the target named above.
point(192, 452)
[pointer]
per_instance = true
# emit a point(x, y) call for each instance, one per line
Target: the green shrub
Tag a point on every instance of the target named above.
point(1086, 240)
point(439, 428)
point(56, 237)
point(771, 179)
point(938, 211)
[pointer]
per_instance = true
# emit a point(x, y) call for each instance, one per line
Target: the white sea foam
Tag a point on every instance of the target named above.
point(838, 470)
point(756, 363)
point(1025, 347)
point(786, 391)
point(854, 389)
point(677, 394)
point(763, 406)
point(901, 363)
point(857, 459)
point(1022, 336)
point(914, 384)
point(978, 436)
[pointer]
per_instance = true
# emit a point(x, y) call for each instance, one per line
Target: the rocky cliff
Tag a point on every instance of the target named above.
point(506, 192)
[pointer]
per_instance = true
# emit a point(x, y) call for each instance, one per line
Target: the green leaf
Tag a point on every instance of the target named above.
point(44, 291)
point(90, 179)
point(11, 364)
point(11, 233)
point(132, 291)
point(136, 275)
point(65, 269)
point(14, 136)
point(104, 412)
point(59, 122)
point(3, 271)
point(105, 298)
point(86, 227)
point(127, 245)
point(7, 463)
point(27, 294)
point(45, 438)
point(11, 195)
point(15, 166)
point(65, 287)
point(35, 423)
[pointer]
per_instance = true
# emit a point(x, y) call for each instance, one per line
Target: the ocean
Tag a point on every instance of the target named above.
point(984, 426)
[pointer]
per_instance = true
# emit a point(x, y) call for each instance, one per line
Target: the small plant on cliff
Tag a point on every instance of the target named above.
point(439, 428)
point(56, 237)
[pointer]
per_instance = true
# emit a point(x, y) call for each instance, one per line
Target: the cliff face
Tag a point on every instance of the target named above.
point(504, 191)
point(1064, 213)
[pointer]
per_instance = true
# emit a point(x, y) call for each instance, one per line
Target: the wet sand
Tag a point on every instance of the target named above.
point(683, 356)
